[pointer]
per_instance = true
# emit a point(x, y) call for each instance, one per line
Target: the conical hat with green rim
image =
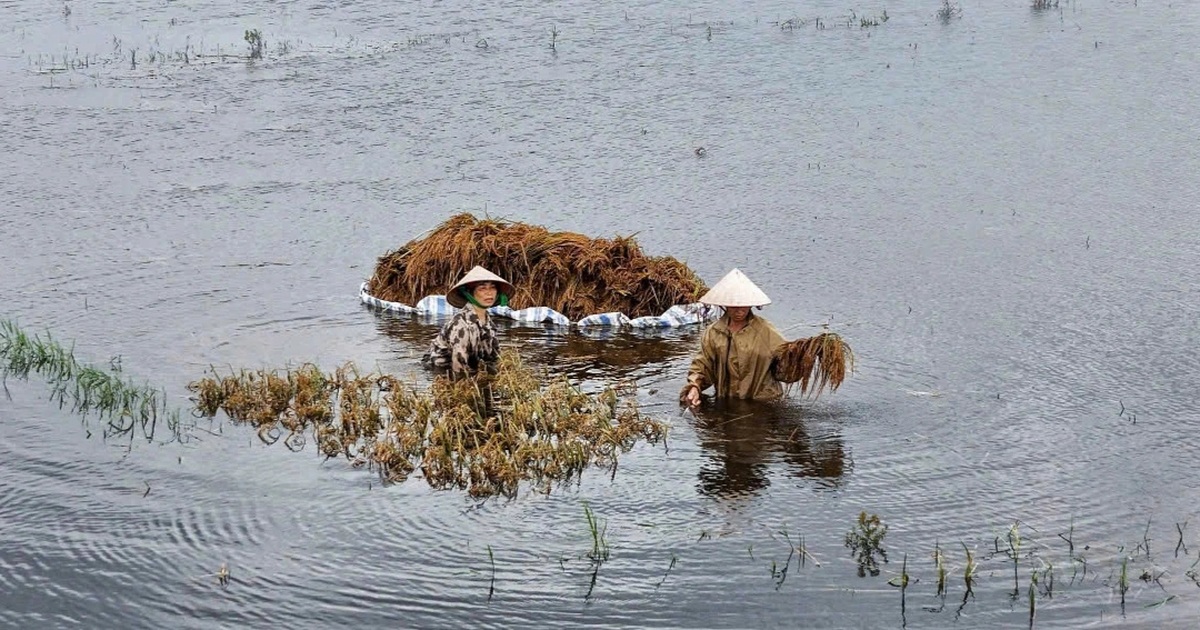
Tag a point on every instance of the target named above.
point(735, 289)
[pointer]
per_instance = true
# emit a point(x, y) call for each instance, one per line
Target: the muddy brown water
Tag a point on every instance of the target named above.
point(998, 213)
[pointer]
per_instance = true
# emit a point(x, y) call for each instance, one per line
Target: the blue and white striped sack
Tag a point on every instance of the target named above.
point(437, 306)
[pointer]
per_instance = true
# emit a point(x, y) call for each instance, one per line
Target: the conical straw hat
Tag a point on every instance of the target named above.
point(735, 289)
point(477, 274)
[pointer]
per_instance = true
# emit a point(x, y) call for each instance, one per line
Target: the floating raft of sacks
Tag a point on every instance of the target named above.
point(562, 278)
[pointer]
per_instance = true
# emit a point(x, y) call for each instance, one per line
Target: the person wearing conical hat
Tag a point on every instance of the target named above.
point(468, 342)
point(735, 352)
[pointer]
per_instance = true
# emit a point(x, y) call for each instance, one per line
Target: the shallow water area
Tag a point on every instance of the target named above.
point(996, 211)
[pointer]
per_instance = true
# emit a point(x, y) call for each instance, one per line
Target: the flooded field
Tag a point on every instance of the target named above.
point(993, 203)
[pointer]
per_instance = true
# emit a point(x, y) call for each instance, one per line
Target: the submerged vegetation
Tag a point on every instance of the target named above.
point(865, 541)
point(255, 40)
point(124, 406)
point(948, 11)
point(486, 434)
point(815, 362)
point(569, 272)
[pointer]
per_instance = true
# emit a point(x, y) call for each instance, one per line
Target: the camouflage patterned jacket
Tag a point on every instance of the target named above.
point(464, 343)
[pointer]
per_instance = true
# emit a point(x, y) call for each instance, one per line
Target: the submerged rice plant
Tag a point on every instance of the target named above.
point(949, 11)
point(124, 405)
point(485, 434)
point(865, 541)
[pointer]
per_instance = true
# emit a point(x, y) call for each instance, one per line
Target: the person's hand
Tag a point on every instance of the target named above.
point(691, 397)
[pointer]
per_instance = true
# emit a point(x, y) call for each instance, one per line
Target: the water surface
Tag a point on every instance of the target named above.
point(997, 212)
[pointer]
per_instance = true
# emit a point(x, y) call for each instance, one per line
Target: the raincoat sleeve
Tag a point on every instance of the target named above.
point(701, 372)
point(773, 340)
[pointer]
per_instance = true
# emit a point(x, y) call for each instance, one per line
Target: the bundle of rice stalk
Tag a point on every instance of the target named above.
point(566, 271)
point(814, 362)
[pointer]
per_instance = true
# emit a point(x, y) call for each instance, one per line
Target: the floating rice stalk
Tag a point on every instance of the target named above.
point(667, 572)
point(1033, 580)
point(1048, 579)
point(970, 570)
point(939, 562)
point(814, 362)
point(901, 582)
point(1070, 539)
point(485, 434)
point(120, 402)
point(1014, 551)
point(569, 272)
point(1123, 580)
point(492, 584)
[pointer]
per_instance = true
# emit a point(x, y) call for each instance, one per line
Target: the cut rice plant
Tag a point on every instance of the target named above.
point(568, 272)
point(814, 362)
point(123, 404)
point(485, 434)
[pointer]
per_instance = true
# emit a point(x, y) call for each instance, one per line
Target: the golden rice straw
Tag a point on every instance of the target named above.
point(815, 362)
point(485, 435)
point(568, 272)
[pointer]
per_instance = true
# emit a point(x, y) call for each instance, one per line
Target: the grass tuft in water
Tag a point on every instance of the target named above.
point(1014, 552)
point(949, 11)
point(939, 563)
point(971, 569)
point(599, 552)
point(122, 404)
point(254, 40)
point(865, 541)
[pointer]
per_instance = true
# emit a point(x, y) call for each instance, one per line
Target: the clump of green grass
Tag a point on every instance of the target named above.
point(255, 41)
point(949, 11)
point(124, 405)
point(597, 529)
point(865, 541)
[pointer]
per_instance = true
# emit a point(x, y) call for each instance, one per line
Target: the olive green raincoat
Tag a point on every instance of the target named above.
point(737, 364)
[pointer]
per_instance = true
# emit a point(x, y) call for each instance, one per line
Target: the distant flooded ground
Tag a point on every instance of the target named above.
point(994, 205)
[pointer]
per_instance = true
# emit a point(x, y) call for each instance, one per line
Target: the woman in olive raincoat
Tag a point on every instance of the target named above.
point(468, 342)
point(735, 352)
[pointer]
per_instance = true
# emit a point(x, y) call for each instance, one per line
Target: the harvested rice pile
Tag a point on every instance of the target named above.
point(485, 435)
point(571, 273)
point(815, 362)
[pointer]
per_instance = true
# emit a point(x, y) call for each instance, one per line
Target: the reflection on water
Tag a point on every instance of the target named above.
point(743, 438)
point(580, 354)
